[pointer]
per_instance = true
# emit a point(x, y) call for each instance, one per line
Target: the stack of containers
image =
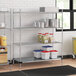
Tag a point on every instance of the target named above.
point(3, 55)
point(47, 48)
point(45, 38)
point(3, 50)
point(46, 53)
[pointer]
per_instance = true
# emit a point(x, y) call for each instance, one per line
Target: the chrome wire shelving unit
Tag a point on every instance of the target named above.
point(12, 29)
point(20, 44)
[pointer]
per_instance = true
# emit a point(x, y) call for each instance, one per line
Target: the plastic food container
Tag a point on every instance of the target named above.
point(3, 49)
point(54, 23)
point(3, 40)
point(39, 37)
point(2, 25)
point(44, 39)
point(47, 35)
point(37, 53)
point(51, 37)
point(45, 55)
point(54, 54)
point(47, 23)
point(47, 48)
point(3, 58)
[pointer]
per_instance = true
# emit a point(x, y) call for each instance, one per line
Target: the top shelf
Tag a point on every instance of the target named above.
point(41, 10)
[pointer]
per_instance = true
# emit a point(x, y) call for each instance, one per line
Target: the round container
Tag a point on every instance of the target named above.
point(50, 37)
point(47, 23)
point(37, 53)
point(54, 23)
point(45, 55)
point(2, 25)
point(54, 54)
point(39, 37)
point(35, 24)
point(44, 39)
point(47, 48)
point(3, 40)
point(42, 24)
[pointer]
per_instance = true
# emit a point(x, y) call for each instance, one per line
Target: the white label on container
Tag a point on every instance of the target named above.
point(46, 41)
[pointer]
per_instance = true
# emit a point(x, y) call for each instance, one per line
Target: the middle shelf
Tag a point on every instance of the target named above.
point(32, 43)
point(35, 43)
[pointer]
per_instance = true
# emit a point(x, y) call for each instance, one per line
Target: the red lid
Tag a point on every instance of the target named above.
point(53, 51)
point(39, 33)
point(51, 33)
point(43, 34)
point(46, 33)
point(45, 51)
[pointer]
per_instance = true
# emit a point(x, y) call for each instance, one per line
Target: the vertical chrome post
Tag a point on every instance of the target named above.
point(53, 31)
point(20, 38)
point(13, 36)
point(4, 23)
point(73, 47)
point(10, 38)
point(62, 40)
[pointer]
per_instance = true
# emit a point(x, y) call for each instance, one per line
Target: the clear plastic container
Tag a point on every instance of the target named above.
point(44, 39)
point(51, 38)
point(39, 37)
point(47, 35)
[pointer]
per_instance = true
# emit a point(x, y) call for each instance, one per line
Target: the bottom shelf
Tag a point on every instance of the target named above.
point(32, 59)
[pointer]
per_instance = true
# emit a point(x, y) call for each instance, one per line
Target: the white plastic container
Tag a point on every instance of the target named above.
point(47, 48)
point(2, 25)
point(45, 55)
point(54, 54)
point(37, 53)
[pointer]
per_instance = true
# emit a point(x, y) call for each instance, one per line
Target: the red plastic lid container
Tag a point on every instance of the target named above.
point(39, 33)
point(53, 51)
point(45, 51)
point(51, 34)
point(46, 33)
point(43, 34)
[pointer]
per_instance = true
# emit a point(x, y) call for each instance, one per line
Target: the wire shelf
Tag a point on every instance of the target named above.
point(32, 59)
point(35, 43)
